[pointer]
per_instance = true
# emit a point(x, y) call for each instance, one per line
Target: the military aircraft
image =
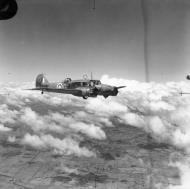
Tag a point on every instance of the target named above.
point(181, 93)
point(8, 9)
point(82, 88)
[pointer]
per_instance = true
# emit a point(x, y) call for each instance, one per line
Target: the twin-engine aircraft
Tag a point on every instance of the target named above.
point(82, 88)
point(181, 93)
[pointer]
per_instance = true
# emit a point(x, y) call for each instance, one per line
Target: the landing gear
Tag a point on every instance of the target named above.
point(85, 97)
point(42, 92)
point(106, 96)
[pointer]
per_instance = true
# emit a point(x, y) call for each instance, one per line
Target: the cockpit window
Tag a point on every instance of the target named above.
point(96, 82)
point(84, 84)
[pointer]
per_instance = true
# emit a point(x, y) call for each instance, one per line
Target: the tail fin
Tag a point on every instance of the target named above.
point(41, 81)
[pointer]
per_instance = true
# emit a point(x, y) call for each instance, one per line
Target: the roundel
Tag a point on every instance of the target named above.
point(59, 85)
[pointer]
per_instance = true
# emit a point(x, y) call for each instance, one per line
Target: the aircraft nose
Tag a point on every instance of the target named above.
point(99, 87)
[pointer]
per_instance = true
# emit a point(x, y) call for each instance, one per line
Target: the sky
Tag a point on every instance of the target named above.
point(66, 38)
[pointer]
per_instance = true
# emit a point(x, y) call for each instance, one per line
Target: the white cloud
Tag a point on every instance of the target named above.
point(161, 111)
point(66, 146)
point(156, 108)
point(133, 119)
point(38, 123)
point(89, 129)
point(184, 168)
point(11, 139)
point(4, 129)
point(7, 115)
point(76, 125)
point(105, 107)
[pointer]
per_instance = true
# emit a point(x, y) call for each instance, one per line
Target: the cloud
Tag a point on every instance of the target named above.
point(161, 111)
point(184, 168)
point(89, 129)
point(133, 119)
point(71, 122)
point(105, 107)
point(60, 122)
point(38, 123)
point(66, 146)
point(4, 129)
point(11, 139)
point(7, 115)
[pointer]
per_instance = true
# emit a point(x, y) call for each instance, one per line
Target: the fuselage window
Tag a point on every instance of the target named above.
point(85, 84)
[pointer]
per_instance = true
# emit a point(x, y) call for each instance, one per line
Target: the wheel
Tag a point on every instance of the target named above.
point(42, 92)
point(85, 97)
point(105, 96)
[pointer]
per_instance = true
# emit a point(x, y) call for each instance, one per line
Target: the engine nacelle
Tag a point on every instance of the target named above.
point(88, 92)
point(85, 92)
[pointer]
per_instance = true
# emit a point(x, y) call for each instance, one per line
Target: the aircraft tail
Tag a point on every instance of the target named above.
point(41, 81)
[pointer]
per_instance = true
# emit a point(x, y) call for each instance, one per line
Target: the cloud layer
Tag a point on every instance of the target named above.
point(60, 122)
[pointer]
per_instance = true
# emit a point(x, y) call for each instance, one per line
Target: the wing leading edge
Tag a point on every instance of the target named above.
point(54, 90)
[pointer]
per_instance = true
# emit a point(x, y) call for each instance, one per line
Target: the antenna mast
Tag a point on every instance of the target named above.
point(94, 4)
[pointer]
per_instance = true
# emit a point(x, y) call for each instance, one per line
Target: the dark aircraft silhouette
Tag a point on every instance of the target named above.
point(181, 93)
point(8, 9)
point(82, 88)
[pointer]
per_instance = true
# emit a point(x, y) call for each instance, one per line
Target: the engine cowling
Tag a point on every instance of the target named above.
point(89, 92)
point(85, 92)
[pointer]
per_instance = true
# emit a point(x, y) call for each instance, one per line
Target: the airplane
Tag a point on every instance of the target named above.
point(181, 93)
point(82, 88)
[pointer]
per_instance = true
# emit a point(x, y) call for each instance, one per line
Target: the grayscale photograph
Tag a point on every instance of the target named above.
point(94, 94)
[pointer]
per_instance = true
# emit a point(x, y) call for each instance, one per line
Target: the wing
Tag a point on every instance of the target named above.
point(60, 90)
point(120, 87)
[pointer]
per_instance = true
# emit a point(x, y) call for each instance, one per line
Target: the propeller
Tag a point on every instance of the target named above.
point(181, 93)
point(188, 77)
point(115, 90)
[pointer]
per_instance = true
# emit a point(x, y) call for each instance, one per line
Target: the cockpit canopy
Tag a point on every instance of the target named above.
point(80, 83)
point(76, 84)
point(96, 82)
point(67, 80)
